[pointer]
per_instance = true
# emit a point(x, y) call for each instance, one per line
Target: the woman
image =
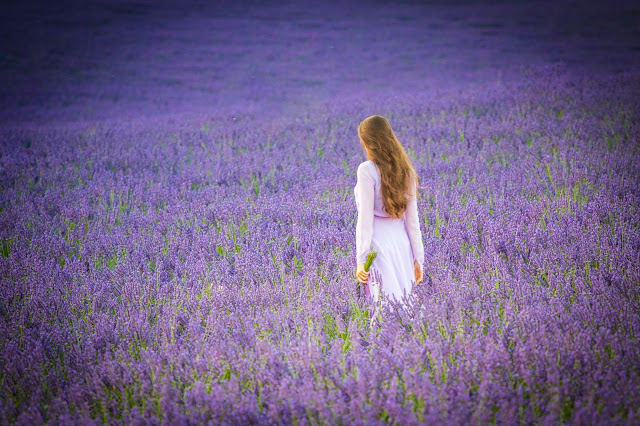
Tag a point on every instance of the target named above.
point(387, 214)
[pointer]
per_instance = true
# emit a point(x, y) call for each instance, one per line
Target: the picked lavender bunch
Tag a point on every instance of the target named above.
point(372, 255)
point(367, 264)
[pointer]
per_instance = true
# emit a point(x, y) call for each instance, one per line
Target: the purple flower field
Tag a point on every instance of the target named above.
point(177, 218)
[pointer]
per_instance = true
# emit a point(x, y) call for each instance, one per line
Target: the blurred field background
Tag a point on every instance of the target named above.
point(101, 59)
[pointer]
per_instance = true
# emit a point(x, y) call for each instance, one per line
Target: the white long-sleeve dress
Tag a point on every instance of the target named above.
point(397, 241)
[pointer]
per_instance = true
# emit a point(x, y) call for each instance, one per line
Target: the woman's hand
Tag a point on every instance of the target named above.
point(417, 271)
point(361, 274)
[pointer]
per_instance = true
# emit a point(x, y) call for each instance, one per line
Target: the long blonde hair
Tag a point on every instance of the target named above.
point(386, 152)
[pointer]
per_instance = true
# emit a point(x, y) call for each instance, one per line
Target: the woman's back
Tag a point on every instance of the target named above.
point(374, 173)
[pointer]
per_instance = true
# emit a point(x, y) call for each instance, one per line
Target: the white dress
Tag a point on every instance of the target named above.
point(397, 241)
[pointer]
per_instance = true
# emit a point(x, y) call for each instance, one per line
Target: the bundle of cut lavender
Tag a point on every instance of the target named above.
point(367, 264)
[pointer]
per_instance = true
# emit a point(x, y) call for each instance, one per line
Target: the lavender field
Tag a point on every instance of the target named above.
point(177, 218)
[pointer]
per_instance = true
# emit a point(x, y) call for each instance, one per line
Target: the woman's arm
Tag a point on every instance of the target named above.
point(364, 202)
point(412, 226)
